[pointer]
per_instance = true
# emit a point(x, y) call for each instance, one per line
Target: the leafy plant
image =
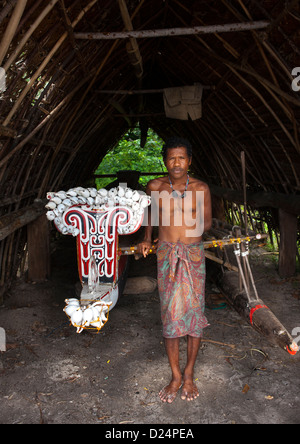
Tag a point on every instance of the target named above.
point(129, 155)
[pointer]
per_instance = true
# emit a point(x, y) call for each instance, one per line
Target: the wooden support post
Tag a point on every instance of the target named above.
point(18, 219)
point(288, 244)
point(38, 239)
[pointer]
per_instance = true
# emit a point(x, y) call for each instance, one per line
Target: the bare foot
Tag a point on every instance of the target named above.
point(169, 393)
point(189, 390)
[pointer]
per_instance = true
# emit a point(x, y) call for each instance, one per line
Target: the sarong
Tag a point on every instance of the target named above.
point(181, 285)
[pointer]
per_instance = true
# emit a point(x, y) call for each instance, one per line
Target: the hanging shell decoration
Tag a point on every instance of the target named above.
point(92, 316)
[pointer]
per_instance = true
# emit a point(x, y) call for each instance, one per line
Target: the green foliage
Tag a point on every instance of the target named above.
point(128, 155)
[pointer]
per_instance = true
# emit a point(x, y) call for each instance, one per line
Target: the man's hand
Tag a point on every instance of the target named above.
point(146, 247)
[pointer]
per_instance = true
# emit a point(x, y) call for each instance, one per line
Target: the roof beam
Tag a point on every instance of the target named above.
point(232, 27)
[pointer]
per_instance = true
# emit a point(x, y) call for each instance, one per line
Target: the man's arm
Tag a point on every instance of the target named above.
point(146, 244)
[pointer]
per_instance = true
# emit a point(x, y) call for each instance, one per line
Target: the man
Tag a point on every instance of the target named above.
point(183, 207)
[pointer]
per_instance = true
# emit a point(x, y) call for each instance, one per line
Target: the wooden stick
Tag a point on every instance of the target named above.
point(31, 30)
point(37, 129)
point(132, 48)
point(232, 27)
point(45, 63)
point(11, 28)
point(214, 258)
point(218, 343)
point(130, 92)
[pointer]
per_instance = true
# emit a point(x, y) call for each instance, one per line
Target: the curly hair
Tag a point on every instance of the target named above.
point(177, 142)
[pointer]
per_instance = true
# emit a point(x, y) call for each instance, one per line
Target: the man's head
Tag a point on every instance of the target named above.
point(177, 155)
point(177, 142)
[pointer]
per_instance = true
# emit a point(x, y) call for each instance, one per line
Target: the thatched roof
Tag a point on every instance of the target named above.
point(63, 110)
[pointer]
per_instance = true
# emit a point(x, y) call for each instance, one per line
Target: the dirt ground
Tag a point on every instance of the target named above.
point(51, 375)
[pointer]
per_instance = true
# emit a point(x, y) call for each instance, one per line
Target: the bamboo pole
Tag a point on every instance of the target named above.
point(28, 34)
point(11, 28)
point(39, 126)
point(6, 9)
point(270, 109)
point(45, 62)
point(232, 27)
point(132, 46)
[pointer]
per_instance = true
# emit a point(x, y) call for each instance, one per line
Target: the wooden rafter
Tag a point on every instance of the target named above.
point(232, 27)
point(132, 46)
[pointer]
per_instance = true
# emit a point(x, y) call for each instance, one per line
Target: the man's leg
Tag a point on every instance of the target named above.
point(189, 389)
point(168, 393)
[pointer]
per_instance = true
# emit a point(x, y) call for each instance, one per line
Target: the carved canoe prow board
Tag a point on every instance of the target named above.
point(96, 218)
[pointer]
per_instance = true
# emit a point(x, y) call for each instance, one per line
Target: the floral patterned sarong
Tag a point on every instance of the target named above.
point(181, 285)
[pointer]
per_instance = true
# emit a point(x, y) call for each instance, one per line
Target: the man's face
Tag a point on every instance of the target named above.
point(177, 162)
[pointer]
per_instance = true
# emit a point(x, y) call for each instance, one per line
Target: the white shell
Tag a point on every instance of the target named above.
point(103, 317)
point(128, 193)
point(50, 215)
point(61, 194)
point(71, 193)
point(61, 208)
point(56, 199)
point(69, 310)
point(84, 193)
point(51, 205)
point(121, 191)
point(74, 300)
point(76, 317)
point(98, 200)
point(135, 196)
point(144, 202)
point(93, 192)
point(67, 202)
point(95, 313)
point(88, 316)
point(90, 201)
point(102, 192)
point(73, 199)
point(112, 192)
